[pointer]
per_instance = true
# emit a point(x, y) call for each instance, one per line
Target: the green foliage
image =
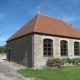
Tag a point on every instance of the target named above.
point(79, 60)
point(73, 61)
point(64, 73)
point(50, 61)
point(57, 60)
point(64, 61)
point(3, 49)
point(68, 60)
point(53, 60)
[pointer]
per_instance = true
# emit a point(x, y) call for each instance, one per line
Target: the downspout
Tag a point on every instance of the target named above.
point(32, 50)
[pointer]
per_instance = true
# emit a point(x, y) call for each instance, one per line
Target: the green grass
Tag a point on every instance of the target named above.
point(64, 73)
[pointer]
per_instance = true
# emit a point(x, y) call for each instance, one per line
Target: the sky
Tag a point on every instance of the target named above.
point(16, 13)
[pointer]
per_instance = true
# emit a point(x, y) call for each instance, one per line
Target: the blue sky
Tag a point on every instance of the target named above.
point(15, 13)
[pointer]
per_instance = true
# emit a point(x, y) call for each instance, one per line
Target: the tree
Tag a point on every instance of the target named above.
point(3, 49)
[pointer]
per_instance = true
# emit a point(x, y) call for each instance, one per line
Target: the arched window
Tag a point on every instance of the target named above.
point(48, 47)
point(64, 48)
point(76, 48)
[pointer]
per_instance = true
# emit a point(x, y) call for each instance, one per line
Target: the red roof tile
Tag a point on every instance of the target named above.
point(46, 24)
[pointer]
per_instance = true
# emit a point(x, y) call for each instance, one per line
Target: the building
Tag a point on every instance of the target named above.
point(43, 37)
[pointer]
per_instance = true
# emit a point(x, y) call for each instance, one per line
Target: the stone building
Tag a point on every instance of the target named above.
point(43, 37)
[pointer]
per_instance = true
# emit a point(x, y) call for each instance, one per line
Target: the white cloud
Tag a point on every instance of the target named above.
point(76, 12)
point(14, 27)
point(2, 16)
point(68, 19)
point(3, 38)
point(75, 2)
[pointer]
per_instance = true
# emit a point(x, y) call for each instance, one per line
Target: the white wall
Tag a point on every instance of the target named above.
point(40, 60)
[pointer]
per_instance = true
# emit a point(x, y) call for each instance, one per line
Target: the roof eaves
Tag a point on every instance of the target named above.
point(65, 36)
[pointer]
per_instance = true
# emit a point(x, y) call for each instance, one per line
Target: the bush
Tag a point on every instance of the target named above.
point(73, 61)
point(54, 62)
point(79, 60)
point(64, 61)
point(69, 60)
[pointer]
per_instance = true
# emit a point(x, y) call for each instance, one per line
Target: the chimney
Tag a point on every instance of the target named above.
point(70, 24)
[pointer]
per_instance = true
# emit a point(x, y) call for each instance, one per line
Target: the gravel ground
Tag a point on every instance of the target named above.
point(8, 70)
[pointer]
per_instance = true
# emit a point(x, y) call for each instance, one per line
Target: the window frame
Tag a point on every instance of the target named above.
point(64, 48)
point(47, 47)
point(76, 49)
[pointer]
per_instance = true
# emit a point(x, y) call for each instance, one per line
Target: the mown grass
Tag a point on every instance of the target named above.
point(64, 73)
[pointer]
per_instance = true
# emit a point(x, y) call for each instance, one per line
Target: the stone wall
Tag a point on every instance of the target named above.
point(38, 56)
point(28, 50)
point(40, 60)
point(21, 50)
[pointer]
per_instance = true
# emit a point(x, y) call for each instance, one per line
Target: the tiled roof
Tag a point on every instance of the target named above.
point(46, 24)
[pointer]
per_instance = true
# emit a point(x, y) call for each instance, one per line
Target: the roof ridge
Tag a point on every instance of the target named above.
point(56, 18)
point(49, 16)
point(36, 22)
point(46, 24)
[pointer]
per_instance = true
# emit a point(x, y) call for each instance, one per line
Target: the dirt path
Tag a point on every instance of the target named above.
point(8, 70)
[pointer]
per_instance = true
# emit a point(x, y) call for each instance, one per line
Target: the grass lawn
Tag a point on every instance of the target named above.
point(64, 73)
